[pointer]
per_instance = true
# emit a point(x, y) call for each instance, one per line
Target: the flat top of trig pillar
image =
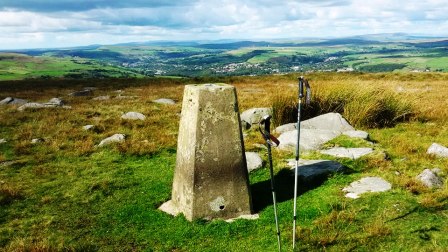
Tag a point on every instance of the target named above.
point(211, 86)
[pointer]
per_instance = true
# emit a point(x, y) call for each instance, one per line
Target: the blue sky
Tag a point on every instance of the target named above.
point(64, 23)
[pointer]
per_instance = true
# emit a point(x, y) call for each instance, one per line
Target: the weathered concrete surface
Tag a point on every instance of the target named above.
point(310, 139)
point(367, 184)
point(438, 150)
point(352, 153)
point(211, 178)
point(430, 178)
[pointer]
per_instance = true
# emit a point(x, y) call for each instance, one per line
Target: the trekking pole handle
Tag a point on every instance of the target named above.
point(301, 79)
point(266, 133)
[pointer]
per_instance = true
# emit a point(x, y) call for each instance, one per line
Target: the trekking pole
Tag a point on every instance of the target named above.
point(302, 81)
point(271, 141)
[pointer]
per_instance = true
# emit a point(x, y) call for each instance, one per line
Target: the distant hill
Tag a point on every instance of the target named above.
point(366, 53)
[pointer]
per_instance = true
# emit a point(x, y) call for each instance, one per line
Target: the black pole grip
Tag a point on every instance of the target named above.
point(301, 87)
point(267, 125)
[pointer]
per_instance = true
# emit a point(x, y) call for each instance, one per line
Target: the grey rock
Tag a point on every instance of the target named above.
point(438, 150)
point(125, 97)
point(7, 100)
point(367, 184)
point(55, 102)
point(165, 101)
point(352, 153)
point(36, 105)
point(90, 88)
point(101, 98)
point(88, 127)
point(133, 116)
point(253, 161)
point(37, 140)
point(2, 140)
point(312, 170)
point(32, 105)
point(117, 138)
point(310, 139)
point(285, 128)
point(329, 121)
point(85, 92)
point(430, 178)
point(356, 134)
point(12, 101)
point(254, 115)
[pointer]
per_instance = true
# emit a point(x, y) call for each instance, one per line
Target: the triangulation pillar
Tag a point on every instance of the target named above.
point(211, 178)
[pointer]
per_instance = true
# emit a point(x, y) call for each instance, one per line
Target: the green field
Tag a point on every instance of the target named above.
point(67, 194)
point(194, 59)
point(20, 66)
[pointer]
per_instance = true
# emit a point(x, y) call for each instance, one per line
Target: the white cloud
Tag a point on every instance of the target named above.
point(138, 20)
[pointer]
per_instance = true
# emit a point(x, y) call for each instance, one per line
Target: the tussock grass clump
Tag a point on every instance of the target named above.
point(369, 106)
point(9, 193)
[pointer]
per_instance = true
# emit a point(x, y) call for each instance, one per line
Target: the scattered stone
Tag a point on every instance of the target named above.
point(254, 115)
point(88, 127)
point(125, 97)
point(316, 170)
point(253, 161)
point(12, 101)
point(2, 140)
point(313, 132)
point(85, 92)
point(4, 164)
point(101, 98)
point(117, 138)
point(367, 184)
point(285, 128)
point(356, 134)
point(329, 121)
point(352, 153)
point(430, 178)
point(165, 101)
point(310, 139)
point(244, 217)
point(438, 150)
point(7, 100)
point(90, 88)
point(55, 102)
point(31, 105)
point(37, 140)
point(36, 105)
point(133, 116)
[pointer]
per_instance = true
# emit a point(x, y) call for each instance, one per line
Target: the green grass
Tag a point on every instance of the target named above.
point(66, 194)
point(17, 66)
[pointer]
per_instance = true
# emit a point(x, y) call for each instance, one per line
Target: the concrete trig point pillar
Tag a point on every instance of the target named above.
point(211, 178)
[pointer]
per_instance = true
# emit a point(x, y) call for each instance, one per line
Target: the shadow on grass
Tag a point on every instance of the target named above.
point(284, 187)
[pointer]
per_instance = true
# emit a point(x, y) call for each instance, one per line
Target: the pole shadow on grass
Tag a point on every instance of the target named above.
point(310, 177)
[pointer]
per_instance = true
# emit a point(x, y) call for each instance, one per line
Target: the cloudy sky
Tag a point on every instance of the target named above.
point(64, 23)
